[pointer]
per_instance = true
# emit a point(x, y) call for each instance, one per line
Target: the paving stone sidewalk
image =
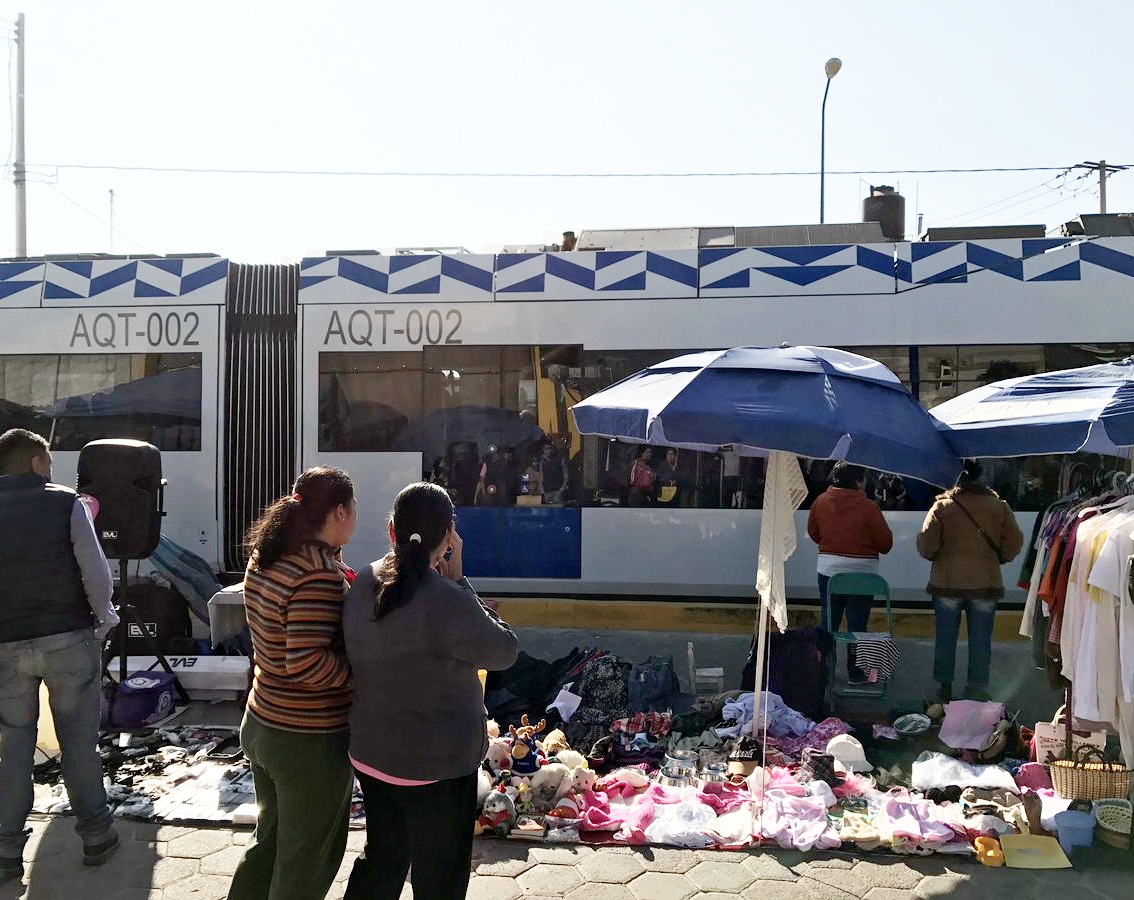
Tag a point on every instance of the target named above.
point(179, 863)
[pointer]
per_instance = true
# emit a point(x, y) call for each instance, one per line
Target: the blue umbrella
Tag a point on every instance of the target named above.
point(1089, 409)
point(811, 401)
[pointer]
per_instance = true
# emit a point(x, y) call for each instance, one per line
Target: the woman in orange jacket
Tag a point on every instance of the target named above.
point(851, 533)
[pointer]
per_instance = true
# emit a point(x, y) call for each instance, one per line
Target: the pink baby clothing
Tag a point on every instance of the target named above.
point(798, 823)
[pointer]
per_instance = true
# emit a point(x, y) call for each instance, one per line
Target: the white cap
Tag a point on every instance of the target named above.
point(848, 751)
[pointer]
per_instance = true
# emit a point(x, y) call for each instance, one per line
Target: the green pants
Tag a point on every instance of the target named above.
point(303, 787)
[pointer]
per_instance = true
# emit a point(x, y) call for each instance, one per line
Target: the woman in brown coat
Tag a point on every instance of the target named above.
point(968, 534)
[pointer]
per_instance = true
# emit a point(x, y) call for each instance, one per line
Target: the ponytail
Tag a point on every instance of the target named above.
point(420, 520)
point(294, 520)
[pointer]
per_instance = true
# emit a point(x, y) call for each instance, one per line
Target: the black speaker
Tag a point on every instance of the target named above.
point(124, 476)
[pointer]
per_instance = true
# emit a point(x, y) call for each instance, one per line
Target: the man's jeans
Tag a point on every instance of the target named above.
point(981, 616)
point(71, 665)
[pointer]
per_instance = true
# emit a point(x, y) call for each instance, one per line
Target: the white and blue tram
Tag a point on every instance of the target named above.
point(462, 368)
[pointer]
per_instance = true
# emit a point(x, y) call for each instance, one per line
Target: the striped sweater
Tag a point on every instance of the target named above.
point(295, 609)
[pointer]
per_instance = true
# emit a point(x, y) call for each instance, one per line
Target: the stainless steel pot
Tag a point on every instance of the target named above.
point(675, 777)
point(681, 759)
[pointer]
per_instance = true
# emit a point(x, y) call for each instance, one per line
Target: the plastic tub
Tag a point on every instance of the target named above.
point(1075, 828)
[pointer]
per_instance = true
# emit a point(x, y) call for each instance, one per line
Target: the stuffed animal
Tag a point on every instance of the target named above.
point(553, 742)
point(565, 808)
point(498, 816)
point(572, 759)
point(483, 787)
point(526, 758)
point(499, 758)
point(546, 784)
point(635, 778)
point(493, 728)
point(581, 781)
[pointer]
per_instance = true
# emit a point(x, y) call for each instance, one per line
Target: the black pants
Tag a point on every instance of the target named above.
point(429, 828)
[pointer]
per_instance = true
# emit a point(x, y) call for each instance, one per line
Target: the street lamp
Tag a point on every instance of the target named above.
point(832, 69)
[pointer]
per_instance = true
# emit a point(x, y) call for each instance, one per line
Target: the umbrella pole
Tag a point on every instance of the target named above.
point(761, 645)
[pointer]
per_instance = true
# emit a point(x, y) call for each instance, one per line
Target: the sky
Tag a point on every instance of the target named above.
point(619, 86)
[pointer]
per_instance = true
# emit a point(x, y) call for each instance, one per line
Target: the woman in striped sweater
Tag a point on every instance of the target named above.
point(294, 731)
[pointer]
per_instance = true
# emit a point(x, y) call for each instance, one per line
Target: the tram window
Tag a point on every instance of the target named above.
point(945, 372)
point(366, 400)
point(684, 479)
point(73, 399)
point(493, 427)
point(1073, 356)
point(896, 359)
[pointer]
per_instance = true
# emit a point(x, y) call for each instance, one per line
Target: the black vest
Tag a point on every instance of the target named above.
point(41, 587)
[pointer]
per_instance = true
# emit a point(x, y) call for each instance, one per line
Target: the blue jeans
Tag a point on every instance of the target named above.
point(854, 607)
point(981, 615)
point(71, 665)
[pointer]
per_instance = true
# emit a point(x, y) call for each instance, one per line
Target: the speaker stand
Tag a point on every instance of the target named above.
point(127, 614)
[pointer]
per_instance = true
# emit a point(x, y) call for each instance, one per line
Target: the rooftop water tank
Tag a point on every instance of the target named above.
point(888, 208)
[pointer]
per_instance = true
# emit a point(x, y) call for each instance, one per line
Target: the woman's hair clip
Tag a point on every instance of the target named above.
point(296, 497)
point(415, 538)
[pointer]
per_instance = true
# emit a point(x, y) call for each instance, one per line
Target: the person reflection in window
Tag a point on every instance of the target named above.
point(494, 489)
point(440, 475)
point(642, 478)
point(553, 476)
point(669, 481)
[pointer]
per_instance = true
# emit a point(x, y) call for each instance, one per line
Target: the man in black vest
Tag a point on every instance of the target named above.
point(55, 590)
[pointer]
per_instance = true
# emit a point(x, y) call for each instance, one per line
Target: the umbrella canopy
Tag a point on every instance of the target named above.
point(1089, 409)
point(811, 401)
point(485, 426)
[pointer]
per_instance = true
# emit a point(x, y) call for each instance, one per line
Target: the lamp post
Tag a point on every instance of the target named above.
point(832, 69)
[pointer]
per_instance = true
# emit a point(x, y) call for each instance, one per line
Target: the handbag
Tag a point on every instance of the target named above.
point(992, 545)
point(1050, 741)
point(1089, 776)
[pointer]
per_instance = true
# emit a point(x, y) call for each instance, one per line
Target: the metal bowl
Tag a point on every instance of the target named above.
point(681, 759)
point(708, 777)
point(675, 777)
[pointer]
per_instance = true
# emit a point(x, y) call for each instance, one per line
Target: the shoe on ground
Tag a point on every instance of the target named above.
point(97, 854)
point(10, 869)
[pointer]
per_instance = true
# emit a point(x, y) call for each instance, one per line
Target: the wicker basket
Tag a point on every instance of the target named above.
point(1088, 776)
point(1114, 818)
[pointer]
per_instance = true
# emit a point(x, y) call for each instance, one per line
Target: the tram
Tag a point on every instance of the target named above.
point(462, 368)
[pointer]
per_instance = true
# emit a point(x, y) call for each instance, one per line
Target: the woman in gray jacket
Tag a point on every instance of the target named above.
point(416, 633)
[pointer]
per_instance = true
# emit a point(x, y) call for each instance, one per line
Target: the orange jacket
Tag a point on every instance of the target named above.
point(845, 522)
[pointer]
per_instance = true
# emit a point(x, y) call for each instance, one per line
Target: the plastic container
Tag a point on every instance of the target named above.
point(1075, 829)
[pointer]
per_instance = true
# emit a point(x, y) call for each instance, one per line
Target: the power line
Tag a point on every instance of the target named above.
point(1043, 184)
point(1058, 202)
point(191, 170)
point(96, 216)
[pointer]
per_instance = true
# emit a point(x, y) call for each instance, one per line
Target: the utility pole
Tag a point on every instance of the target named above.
point(1104, 172)
point(112, 220)
point(19, 171)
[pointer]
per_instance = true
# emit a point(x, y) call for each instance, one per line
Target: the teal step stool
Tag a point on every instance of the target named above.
point(858, 584)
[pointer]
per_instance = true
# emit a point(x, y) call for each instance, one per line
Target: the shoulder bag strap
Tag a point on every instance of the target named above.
point(991, 543)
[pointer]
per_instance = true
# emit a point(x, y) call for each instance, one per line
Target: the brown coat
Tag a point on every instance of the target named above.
point(845, 522)
point(965, 567)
